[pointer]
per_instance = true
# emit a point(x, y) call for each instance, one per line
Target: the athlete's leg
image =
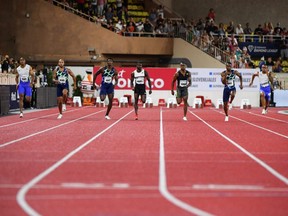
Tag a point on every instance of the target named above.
point(136, 98)
point(21, 102)
point(179, 96)
point(185, 100)
point(226, 94)
point(110, 98)
point(64, 99)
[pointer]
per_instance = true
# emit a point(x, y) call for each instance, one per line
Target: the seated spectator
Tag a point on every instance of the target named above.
point(278, 28)
point(258, 30)
point(148, 27)
point(211, 15)
point(270, 63)
point(130, 28)
point(5, 64)
point(277, 68)
point(231, 29)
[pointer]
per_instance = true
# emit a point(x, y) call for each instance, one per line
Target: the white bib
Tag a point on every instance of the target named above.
point(24, 78)
point(107, 79)
point(139, 80)
point(62, 80)
point(183, 83)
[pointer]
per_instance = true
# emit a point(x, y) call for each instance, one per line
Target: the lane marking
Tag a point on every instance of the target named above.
point(48, 129)
point(271, 131)
point(257, 160)
point(267, 117)
point(33, 119)
point(21, 194)
point(163, 179)
point(226, 187)
point(79, 185)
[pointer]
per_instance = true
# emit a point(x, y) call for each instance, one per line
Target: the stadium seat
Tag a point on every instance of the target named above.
point(161, 102)
point(115, 102)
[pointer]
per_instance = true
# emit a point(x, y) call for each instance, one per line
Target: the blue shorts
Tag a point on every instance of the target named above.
point(60, 88)
point(24, 88)
point(226, 93)
point(267, 91)
point(106, 89)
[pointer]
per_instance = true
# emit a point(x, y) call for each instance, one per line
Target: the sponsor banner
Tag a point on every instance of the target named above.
point(207, 79)
point(261, 49)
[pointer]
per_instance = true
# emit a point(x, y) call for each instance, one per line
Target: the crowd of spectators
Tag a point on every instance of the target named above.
point(204, 33)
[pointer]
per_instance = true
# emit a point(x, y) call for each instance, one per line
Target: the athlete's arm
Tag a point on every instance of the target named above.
point(95, 76)
point(189, 80)
point(173, 82)
point(31, 73)
point(132, 81)
point(73, 77)
point(253, 77)
point(223, 78)
point(270, 77)
point(240, 78)
point(116, 77)
point(149, 81)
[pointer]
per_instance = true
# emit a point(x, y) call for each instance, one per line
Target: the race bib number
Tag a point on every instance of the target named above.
point(108, 79)
point(24, 78)
point(230, 83)
point(62, 80)
point(140, 80)
point(183, 83)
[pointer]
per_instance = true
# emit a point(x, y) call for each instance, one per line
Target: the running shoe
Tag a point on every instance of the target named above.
point(21, 115)
point(263, 112)
point(59, 116)
point(185, 118)
point(63, 107)
point(226, 118)
point(136, 117)
point(107, 117)
point(230, 106)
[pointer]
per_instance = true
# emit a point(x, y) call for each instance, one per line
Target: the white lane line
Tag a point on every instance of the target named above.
point(48, 129)
point(163, 180)
point(267, 117)
point(271, 131)
point(257, 160)
point(226, 187)
point(33, 119)
point(21, 194)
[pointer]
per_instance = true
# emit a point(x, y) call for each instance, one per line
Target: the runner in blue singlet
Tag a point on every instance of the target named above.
point(109, 74)
point(228, 79)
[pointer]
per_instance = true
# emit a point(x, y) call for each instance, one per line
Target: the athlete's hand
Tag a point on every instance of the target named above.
point(250, 84)
point(241, 86)
point(133, 89)
point(17, 87)
point(74, 87)
point(172, 92)
point(150, 91)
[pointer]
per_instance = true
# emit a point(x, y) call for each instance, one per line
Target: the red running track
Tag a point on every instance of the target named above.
point(158, 165)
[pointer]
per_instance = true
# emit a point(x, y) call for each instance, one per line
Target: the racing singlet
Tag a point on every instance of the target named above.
point(62, 76)
point(139, 77)
point(182, 80)
point(230, 79)
point(24, 74)
point(263, 79)
point(107, 76)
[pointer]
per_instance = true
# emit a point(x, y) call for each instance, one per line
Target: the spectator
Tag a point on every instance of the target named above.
point(258, 30)
point(160, 11)
point(148, 27)
point(5, 64)
point(221, 30)
point(231, 29)
point(211, 15)
point(130, 29)
point(109, 14)
point(277, 67)
point(278, 28)
point(239, 30)
point(284, 48)
point(153, 16)
point(248, 31)
point(100, 7)
point(270, 64)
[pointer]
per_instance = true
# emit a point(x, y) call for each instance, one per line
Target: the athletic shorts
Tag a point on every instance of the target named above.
point(226, 93)
point(182, 92)
point(140, 90)
point(24, 88)
point(267, 91)
point(60, 88)
point(106, 89)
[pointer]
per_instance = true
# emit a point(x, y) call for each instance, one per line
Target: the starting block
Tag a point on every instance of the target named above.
point(99, 103)
point(197, 103)
point(219, 104)
point(123, 102)
point(245, 104)
point(171, 103)
point(77, 101)
point(148, 102)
